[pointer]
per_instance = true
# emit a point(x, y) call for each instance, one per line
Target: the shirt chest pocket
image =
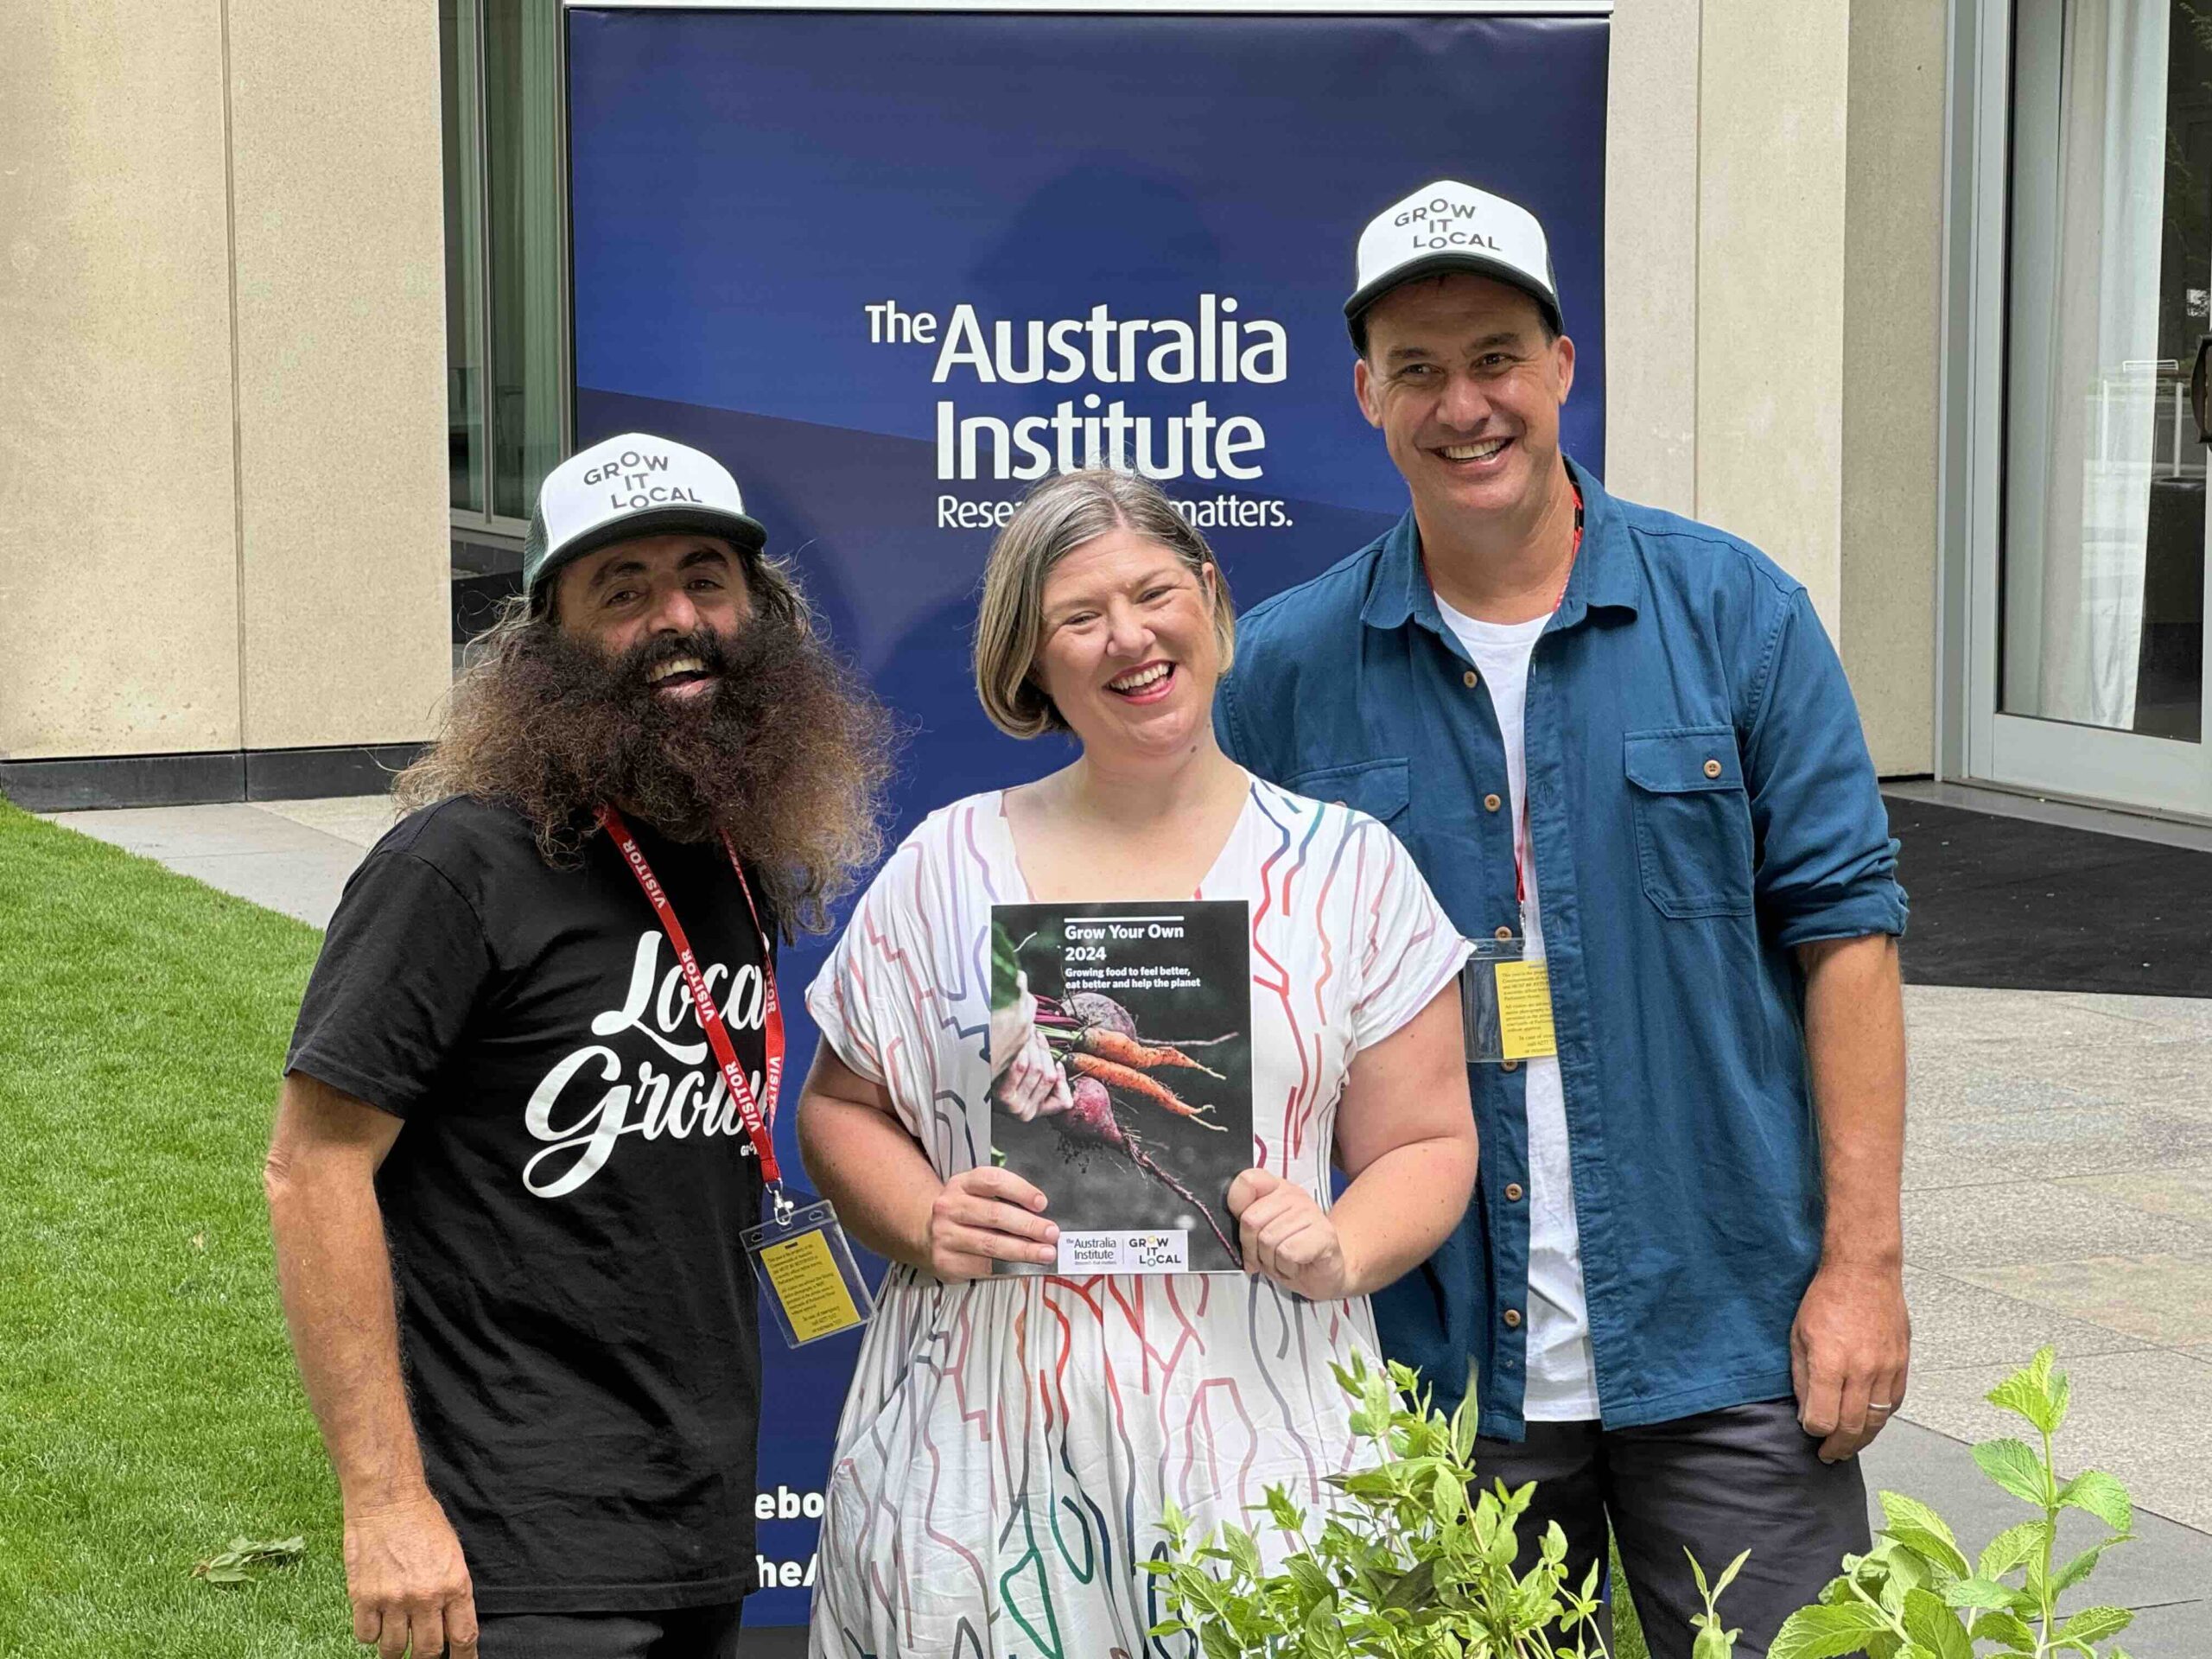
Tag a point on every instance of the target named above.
point(1692, 821)
point(1378, 788)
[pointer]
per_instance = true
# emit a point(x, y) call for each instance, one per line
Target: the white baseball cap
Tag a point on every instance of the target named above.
point(1448, 225)
point(635, 484)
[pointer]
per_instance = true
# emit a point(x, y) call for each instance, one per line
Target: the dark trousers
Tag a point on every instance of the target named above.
point(687, 1633)
point(1745, 1477)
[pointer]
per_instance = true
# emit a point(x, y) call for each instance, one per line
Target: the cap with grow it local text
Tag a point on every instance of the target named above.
point(634, 484)
point(1444, 227)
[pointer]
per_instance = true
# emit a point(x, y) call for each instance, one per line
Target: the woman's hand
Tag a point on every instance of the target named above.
point(1027, 1075)
point(1286, 1234)
point(987, 1215)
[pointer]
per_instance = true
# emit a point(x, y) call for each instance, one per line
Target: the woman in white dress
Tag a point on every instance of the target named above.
point(1010, 1443)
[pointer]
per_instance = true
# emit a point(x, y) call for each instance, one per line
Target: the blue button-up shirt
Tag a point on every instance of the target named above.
point(1701, 802)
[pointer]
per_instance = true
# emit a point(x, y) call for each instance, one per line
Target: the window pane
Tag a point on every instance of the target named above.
point(464, 171)
point(523, 125)
point(2103, 566)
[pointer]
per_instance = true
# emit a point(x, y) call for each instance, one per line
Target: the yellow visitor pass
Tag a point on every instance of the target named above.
point(1505, 1003)
point(807, 1273)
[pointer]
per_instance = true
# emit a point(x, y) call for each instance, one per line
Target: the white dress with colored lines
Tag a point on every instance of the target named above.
point(1009, 1443)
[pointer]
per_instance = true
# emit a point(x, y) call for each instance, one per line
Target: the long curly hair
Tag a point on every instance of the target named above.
point(788, 755)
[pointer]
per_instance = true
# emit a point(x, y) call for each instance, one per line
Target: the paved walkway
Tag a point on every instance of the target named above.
point(293, 856)
point(2059, 1189)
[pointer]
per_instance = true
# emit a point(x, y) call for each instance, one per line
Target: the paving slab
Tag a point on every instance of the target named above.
point(170, 832)
point(360, 819)
point(2190, 1015)
point(1948, 1080)
point(303, 884)
point(296, 861)
point(2049, 1020)
point(2148, 1128)
point(2164, 1299)
point(2147, 1416)
point(1955, 1229)
point(2183, 1191)
point(1956, 1324)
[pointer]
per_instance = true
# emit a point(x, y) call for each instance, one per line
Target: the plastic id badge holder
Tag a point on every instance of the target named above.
point(1505, 1004)
point(807, 1273)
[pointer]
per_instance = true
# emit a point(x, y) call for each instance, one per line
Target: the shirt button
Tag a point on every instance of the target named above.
point(1490, 802)
point(1512, 1318)
point(1509, 1066)
point(1467, 679)
point(1504, 932)
point(1513, 1192)
point(1713, 768)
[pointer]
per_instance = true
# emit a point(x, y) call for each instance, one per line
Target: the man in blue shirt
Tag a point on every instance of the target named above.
point(1620, 743)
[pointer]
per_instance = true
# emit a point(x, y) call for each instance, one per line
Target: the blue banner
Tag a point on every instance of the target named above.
point(890, 267)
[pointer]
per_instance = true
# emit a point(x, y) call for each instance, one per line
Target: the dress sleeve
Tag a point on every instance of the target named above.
point(392, 992)
point(1409, 948)
point(862, 1000)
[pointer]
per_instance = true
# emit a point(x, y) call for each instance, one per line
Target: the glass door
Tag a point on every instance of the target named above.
point(2091, 624)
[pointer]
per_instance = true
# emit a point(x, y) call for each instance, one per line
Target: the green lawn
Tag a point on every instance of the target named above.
point(148, 1410)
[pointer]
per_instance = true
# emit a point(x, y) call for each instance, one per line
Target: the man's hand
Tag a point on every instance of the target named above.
point(1028, 1076)
point(1287, 1237)
point(407, 1581)
point(1849, 1350)
point(986, 1215)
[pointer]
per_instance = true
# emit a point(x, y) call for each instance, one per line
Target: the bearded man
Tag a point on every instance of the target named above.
point(501, 1104)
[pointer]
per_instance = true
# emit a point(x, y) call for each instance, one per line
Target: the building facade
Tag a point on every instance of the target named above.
point(1910, 293)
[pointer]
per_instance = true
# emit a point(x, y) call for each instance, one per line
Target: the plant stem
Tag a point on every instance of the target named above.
point(1896, 1626)
point(2051, 1508)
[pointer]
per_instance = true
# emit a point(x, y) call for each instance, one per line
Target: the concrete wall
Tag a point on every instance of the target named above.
point(335, 146)
point(118, 543)
point(222, 482)
point(1651, 264)
point(1893, 217)
point(1773, 269)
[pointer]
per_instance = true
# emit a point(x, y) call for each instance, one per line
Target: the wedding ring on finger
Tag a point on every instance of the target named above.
point(1877, 1405)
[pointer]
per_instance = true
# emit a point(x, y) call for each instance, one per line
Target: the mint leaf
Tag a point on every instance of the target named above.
point(2094, 1623)
point(1825, 1632)
point(1978, 1593)
point(1934, 1626)
point(1898, 1511)
point(2102, 1496)
point(2008, 1628)
point(2027, 1393)
point(1939, 1552)
point(2017, 1470)
point(2080, 1567)
point(2012, 1547)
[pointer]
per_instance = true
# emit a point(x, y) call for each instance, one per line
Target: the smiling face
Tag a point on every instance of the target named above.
point(1466, 387)
point(1128, 653)
point(664, 590)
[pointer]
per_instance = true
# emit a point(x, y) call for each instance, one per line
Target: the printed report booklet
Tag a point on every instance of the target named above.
point(1146, 1010)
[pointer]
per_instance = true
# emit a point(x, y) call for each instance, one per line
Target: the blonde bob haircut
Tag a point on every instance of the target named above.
point(1057, 517)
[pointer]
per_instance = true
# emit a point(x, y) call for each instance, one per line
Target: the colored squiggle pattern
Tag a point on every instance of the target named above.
point(1009, 1444)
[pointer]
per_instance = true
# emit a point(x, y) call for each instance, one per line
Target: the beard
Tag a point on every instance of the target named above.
point(783, 753)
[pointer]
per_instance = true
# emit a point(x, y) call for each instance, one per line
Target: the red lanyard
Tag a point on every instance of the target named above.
point(711, 1019)
point(1520, 870)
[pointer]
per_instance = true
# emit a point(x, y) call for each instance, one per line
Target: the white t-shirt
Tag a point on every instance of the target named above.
point(1562, 1377)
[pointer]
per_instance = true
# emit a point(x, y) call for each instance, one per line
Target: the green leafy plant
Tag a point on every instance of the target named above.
point(247, 1559)
point(1916, 1596)
point(1408, 1565)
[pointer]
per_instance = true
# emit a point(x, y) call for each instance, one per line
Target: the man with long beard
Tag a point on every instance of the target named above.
point(574, 1323)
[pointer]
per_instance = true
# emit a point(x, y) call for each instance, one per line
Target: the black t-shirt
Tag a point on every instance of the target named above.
point(563, 1207)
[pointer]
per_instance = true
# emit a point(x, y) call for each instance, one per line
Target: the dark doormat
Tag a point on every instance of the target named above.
point(2009, 905)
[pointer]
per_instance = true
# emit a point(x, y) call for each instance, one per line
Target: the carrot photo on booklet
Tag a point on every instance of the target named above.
point(1144, 1009)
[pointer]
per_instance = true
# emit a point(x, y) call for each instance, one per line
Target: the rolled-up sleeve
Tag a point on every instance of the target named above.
point(1826, 863)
